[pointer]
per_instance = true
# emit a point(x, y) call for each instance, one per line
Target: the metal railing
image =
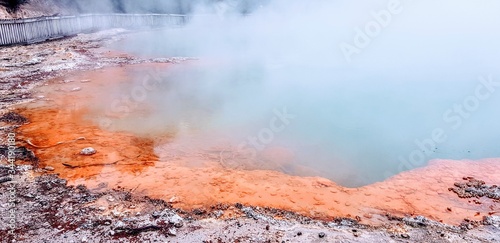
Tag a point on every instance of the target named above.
point(32, 30)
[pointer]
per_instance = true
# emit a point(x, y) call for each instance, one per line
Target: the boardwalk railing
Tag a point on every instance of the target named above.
point(31, 30)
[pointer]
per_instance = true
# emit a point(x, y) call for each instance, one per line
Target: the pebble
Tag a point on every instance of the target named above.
point(49, 168)
point(218, 213)
point(156, 214)
point(119, 224)
point(406, 236)
point(88, 151)
point(321, 235)
point(172, 231)
point(176, 220)
point(24, 168)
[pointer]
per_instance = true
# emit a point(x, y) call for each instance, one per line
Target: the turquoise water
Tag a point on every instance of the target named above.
point(352, 130)
point(355, 123)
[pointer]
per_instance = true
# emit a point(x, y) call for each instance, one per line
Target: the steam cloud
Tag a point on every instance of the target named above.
point(132, 6)
point(355, 122)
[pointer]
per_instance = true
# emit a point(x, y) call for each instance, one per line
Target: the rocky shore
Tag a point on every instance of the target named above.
point(50, 211)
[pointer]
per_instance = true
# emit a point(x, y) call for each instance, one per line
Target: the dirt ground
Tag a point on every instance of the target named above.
point(52, 209)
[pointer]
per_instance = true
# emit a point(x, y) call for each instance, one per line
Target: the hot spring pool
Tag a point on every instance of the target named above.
point(352, 129)
point(275, 90)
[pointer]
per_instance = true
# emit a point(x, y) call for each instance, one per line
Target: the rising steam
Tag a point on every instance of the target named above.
point(357, 119)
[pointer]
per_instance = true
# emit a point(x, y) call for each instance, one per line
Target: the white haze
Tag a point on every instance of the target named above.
point(353, 120)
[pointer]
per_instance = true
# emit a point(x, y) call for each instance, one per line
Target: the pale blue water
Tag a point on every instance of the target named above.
point(353, 122)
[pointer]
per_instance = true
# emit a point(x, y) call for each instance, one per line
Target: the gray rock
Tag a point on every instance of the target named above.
point(492, 220)
point(5, 179)
point(348, 222)
point(88, 151)
point(156, 214)
point(218, 213)
point(169, 216)
point(119, 225)
point(172, 231)
point(417, 221)
point(250, 213)
point(176, 220)
point(24, 168)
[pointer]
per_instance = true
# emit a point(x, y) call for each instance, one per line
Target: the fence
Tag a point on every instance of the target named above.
point(31, 30)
